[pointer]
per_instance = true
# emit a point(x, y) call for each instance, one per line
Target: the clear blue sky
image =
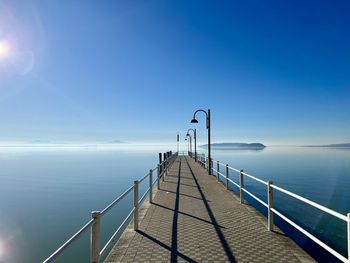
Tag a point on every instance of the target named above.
point(276, 72)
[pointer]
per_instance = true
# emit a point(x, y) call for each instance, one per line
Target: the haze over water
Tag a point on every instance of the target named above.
point(48, 194)
point(79, 71)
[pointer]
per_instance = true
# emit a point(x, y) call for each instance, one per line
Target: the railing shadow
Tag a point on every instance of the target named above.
point(170, 182)
point(184, 177)
point(186, 214)
point(219, 233)
point(173, 258)
point(190, 196)
point(171, 249)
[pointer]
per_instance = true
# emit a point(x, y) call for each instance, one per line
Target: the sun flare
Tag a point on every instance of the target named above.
point(5, 49)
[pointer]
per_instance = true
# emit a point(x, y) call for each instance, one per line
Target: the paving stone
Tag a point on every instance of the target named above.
point(193, 218)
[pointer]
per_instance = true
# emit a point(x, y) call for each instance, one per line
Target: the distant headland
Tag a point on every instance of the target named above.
point(236, 145)
point(117, 142)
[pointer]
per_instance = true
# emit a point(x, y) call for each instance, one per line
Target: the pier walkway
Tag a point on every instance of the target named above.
point(193, 218)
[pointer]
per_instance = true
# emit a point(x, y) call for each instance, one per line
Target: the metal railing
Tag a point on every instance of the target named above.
point(95, 222)
point(271, 211)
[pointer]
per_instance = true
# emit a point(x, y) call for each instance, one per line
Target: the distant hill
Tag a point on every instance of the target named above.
point(40, 141)
point(339, 145)
point(235, 145)
point(117, 142)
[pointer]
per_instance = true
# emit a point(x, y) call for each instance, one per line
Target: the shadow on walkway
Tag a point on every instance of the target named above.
point(184, 177)
point(219, 233)
point(171, 249)
point(175, 218)
point(186, 214)
point(169, 182)
point(191, 196)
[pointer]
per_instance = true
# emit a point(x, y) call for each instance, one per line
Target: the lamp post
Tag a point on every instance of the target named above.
point(195, 142)
point(194, 120)
point(188, 145)
point(177, 140)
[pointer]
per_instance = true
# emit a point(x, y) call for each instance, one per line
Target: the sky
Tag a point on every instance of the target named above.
point(275, 72)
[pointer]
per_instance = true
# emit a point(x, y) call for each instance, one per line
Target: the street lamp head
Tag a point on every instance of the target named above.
point(187, 134)
point(194, 120)
point(185, 139)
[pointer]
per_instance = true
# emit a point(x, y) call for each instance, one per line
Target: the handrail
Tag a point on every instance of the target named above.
point(271, 210)
point(103, 250)
point(312, 237)
point(255, 197)
point(143, 178)
point(58, 252)
point(254, 178)
point(233, 182)
point(107, 208)
point(250, 176)
point(144, 196)
point(95, 221)
point(234, 169)
point(312, 203)
point(221, 174)
point(303, 199)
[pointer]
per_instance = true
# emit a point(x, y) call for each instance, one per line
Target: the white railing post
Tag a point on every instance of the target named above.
point(270, 205)
point(136, 205)
point(150, 185)
point(226, 175)
point(158, 176)
point(160, 159)
point(163, 166)
point(95, 237)
point(217, 170)
point(348, 236)
point(165, 172)
point(241, 186)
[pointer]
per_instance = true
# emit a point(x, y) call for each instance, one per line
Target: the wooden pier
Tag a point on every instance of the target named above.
point(193, 218)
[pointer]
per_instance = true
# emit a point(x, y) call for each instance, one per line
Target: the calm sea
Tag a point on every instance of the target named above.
point(319, 174)
point(46, 194)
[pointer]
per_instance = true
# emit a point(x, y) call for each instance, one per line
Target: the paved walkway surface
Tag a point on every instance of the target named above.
point(193, 218)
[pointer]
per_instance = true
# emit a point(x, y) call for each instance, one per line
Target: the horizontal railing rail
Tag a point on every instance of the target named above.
point(202, 160)
point(59, 251)
point(122, 225)
point(94, 223)
point(117, 200)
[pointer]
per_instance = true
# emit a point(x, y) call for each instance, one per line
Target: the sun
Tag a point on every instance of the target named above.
point(5, 49)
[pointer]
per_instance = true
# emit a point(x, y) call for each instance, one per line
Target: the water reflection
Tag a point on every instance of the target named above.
point(46, 192)
point(319, 174)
